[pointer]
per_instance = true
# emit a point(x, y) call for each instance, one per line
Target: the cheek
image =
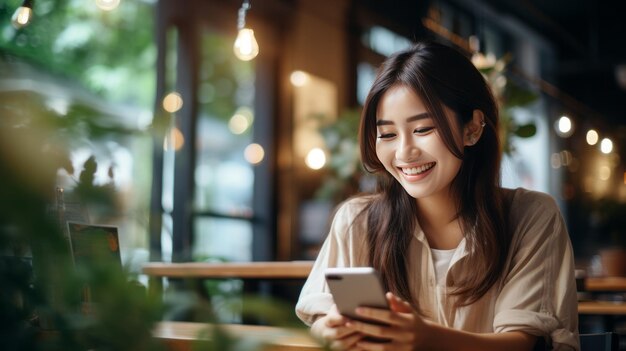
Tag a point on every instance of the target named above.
point(453, 165)
point(382, 151)
point(384, 155)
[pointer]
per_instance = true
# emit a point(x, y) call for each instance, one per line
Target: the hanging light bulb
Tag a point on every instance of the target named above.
point(246, 48)
point(23, 14)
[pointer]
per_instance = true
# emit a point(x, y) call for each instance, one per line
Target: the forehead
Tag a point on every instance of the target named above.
point(399, 101)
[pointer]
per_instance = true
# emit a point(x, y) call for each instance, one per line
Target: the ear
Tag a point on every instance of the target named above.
point(473, 129)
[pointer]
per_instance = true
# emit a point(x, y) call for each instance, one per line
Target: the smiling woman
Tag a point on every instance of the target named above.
point(409, 145)
point(467, 264)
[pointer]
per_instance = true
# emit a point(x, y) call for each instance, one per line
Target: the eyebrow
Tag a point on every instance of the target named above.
point(382, 122)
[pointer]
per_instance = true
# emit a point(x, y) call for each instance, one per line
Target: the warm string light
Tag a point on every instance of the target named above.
point(564, 127)
point(246, 47)
point(23, 14)
point(592, 137)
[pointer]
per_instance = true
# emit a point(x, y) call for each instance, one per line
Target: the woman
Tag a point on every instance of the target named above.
point(468, 264)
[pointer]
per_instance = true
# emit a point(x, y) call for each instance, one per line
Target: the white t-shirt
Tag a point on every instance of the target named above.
point(441, 261)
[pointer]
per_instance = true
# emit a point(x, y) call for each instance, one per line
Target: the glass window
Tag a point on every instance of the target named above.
point(222, 239)
point(224, 174)
point(365, 75)
point(383, 41)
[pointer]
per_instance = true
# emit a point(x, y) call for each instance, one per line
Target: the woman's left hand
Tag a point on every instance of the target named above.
point(402, 327)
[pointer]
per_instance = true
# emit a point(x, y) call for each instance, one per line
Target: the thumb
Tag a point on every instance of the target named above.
point(397, 304)
point(334, 317)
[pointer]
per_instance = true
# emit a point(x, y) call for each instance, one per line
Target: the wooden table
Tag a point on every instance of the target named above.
point(243, 270)
point(602, 307)
point(184, 336)
point(268, 270)
point(606, 284)
point(251, 272)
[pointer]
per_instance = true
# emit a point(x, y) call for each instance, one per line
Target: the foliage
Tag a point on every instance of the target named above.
point(41, 287)
point(76, 40)
point(344, 167)
point(510, 95)
point(226, 82)
point(111, 54)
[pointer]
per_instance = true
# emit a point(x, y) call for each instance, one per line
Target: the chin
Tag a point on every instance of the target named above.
point(417, 192)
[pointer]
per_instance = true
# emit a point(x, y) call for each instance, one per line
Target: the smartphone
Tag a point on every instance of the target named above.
point(352, 287)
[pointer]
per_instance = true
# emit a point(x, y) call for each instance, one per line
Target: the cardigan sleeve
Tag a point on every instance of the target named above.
point(342, 248)
point(538, 293)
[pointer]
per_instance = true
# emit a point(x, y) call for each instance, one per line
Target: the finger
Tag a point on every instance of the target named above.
point(382, 316)
point(337, 333)
point(397, 304)
point(391, 333)
point(371, 329)
point(335, 320)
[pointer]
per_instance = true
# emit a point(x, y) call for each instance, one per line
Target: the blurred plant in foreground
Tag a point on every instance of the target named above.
point(40, 301)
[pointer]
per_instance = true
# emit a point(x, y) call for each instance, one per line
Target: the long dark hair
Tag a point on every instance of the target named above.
point(440, 76)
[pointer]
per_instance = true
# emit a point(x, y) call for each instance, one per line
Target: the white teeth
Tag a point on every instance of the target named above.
point(418, 170)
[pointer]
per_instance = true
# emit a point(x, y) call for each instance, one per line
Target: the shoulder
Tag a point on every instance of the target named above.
point(354, 206)
point(530, 203)
point(535, 217)
point(351, 213)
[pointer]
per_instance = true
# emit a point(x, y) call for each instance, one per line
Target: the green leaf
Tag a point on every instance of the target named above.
point(526, 130)
point(516, 95)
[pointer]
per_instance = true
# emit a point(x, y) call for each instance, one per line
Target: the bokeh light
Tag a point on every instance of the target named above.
point(172, 102)
point(315, 159)
point(254, 153)
point(299, 78)
point(606, 146)
point(592, 137)
point(564, 126)
point(238, 124)
point(174, 140)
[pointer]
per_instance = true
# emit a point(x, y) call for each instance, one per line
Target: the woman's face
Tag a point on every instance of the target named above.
point(410, 147)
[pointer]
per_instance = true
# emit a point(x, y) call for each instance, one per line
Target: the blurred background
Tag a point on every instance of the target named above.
point(149, 119)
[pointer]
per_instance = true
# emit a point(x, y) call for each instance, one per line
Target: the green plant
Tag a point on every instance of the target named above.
point(40, 301)
point(344, 166)
point(510, 94)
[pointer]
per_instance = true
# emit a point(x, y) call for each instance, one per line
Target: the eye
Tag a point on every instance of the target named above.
point(423, 131)
point(386, 135)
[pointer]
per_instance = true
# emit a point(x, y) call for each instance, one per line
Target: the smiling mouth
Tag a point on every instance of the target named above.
point(418, 170)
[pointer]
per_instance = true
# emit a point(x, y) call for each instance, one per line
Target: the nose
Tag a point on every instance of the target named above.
point(408, 150)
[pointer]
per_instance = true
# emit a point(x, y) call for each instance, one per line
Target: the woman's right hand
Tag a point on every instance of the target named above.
point(333, 330)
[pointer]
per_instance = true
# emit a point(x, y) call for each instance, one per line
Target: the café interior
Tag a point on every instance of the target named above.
point(211, 141)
